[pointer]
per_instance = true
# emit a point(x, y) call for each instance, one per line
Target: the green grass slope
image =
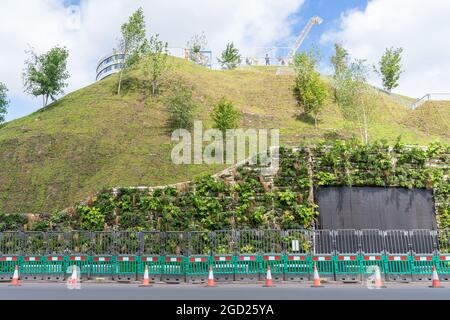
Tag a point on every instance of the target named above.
point(93, 138)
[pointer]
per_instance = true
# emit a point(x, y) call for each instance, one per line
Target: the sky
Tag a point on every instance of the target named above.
point(91, 28)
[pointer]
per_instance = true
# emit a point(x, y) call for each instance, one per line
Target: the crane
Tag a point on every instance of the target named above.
point(312, 22)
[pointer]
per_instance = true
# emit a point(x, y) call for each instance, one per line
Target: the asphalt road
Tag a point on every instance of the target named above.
point(285, 291)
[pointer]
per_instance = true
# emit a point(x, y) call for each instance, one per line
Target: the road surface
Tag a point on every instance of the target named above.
point(285, 291)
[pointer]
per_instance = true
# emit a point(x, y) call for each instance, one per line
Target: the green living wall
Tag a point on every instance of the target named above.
point(250, 199)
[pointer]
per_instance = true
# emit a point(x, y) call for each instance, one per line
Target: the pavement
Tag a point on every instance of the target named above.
point(281, 291)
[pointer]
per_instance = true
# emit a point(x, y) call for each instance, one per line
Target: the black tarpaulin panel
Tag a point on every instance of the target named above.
point(375, 208)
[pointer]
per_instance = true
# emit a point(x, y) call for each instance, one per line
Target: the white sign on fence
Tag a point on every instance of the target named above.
point(295, 246)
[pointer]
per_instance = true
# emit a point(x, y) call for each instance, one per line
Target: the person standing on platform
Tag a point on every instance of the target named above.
point(267, 60)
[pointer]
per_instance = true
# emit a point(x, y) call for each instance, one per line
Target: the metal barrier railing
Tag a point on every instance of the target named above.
point(226, 242)
point(372, 241)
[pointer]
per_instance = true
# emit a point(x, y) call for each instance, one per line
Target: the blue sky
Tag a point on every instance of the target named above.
point(330, 11)
point(365, 27)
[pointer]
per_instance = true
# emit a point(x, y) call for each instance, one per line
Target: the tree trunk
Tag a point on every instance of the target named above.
point(366, 133)
point(360, 128)
point(310, 176)
point(120, 82)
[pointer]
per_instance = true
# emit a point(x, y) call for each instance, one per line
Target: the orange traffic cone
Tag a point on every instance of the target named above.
point(435, 283)
point(316, 283)
point(15, 279)
point(146, 281)
point(268, 278)
point(74, 277)
point(211, 282)
point(378, 283)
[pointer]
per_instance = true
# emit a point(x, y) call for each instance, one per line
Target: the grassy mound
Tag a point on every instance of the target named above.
point(93, 138)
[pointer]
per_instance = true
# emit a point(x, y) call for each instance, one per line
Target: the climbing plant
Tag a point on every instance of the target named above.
point(251, 200)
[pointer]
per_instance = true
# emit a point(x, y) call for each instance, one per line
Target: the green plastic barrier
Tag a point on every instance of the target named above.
point(154, 264)
point(297, 267)
point(82, 262)
point(324, 264)
point(54, 268)
point(442, 262)
point(277, 265)
point(197, 266)
point(7, 266)
point(174, 269)
point(369, 261)
point(223, 267)
point(102, 267)
point(398, 267)
point(32, 268)
point(174, 265)
point(126, 268)
point(422, 267)
point(347, 267)
point(247, 267)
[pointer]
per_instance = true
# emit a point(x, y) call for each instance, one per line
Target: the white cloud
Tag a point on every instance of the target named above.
point(45, 23)
point(421, 27)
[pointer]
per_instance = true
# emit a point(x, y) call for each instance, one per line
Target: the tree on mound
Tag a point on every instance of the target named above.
point(181, 107)
point(230, 58)
point(155, 62)
point(352, 93)
point(45, 74)
point(390, 68)
point(225, 115)
point(4, 102)
point(309, 89)
point(133, 43)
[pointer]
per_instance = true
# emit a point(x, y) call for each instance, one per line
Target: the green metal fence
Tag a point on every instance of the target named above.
point(102, 267)
point(32, 268)
point(226, 267)
point(82, 262)
point(233, 254)
point(153, 263)
point(347, 267)
point(7, 266)
point(54, 268)
point(126, 268)
point(297, 267)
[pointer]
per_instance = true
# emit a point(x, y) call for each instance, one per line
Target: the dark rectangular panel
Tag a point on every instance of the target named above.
point(375, 208)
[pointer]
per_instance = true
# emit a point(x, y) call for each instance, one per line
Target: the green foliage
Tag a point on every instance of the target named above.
point(306, 214)
point(444, 218)
point(209, 204)
point(45, 75)
point(91, 218)
point(352, 93)
point(340, 62)
point(287, 197)
point(12, 222)
point(225, 115)
point(92, 137)
point(181, 107)
point(133, 43)
point(4, 102)
point(390, 68)
point(310, 90)
point(230, 58)
point(155, 62)
point(324, 178)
